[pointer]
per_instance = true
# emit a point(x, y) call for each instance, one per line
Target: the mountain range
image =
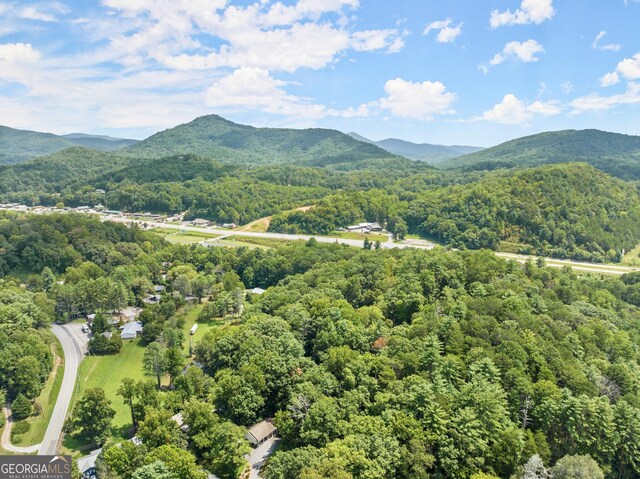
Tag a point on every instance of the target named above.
point(21, 145)
point(218, 139)
point(433, 154)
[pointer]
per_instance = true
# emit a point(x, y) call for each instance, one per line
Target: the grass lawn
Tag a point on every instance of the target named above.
point(183, 239)
point(47, 401)
point(235, 242)
point(190, 315)
point(359, 236)
point(175, 236)
point(259, 242)
point(107, 372)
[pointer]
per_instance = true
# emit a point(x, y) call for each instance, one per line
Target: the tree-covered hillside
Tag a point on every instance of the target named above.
point(22, 145)
point(613, 153)
point(74, 166)
point(214, 137)
point(560, 210)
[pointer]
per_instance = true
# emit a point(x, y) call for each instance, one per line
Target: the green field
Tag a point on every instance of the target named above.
point(47, 401)
point(190, 315)
point(183, 239)
point(107, 372)
point(251, 241)
point(173, 235)
point(359, 236)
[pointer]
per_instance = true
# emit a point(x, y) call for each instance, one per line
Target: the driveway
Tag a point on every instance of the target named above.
point(6, 437)
point(74, 343)
point(259, 455)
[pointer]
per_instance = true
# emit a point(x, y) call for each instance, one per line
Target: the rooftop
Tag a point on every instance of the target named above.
point(262, 430)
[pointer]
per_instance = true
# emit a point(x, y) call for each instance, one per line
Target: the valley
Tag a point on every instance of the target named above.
point(223, 241)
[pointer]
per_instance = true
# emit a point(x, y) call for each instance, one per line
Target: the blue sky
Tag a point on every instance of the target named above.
point(456, 72)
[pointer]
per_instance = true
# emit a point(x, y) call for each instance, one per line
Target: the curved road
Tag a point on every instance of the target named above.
point(71, 345)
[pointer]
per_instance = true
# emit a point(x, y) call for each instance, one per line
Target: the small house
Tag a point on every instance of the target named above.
point(107, 334)
point(261, 432)
point(257, 291)
point(131, 330)
point(229, 225)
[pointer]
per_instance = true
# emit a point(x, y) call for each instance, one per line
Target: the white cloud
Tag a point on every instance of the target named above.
point(610, 79)
point(530, 11)
point(513, 111)
point(611, 47)
point(255, 88)
point(629, 69)
point(274, 37)
point(437, 25)
point(446, 32)
point(525, 51)
point(567, 87)
point(32, 13)
point(599, 102)
point(372, 40)
point(18, 53)
point(420, 101)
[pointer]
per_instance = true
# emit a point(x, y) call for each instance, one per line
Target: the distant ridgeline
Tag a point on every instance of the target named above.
point(229, 173)
point(613, 153)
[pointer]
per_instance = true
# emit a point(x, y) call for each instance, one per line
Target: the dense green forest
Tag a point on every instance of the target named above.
point(613, 153)
point(25, 345)
point(231, 173)
point(570, 210)
point(374, 364)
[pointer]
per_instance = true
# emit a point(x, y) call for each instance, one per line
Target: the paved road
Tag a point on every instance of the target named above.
point(71, 345)
point(419, 244)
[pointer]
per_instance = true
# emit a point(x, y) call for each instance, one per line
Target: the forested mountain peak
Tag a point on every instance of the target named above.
point(215, 137)
point(614, 153)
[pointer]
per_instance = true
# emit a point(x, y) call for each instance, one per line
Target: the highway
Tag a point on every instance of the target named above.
point(223, 233)
point(72, 345)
